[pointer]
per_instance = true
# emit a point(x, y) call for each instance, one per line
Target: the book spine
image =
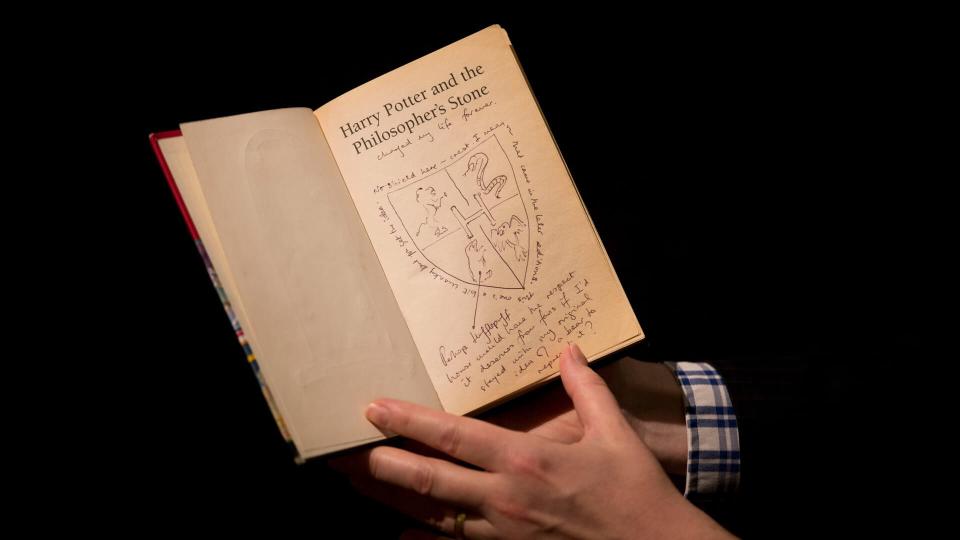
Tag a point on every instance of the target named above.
point(221, 293)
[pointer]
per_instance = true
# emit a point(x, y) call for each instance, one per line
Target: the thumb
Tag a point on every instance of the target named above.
point(597, 408)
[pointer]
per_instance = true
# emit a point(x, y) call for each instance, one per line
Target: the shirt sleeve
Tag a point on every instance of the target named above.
point(713, 441)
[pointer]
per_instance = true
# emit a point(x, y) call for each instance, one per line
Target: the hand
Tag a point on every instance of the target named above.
point(607, 484)
point(650, 399)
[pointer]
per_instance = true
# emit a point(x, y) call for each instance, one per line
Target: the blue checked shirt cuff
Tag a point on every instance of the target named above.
point(713, 442)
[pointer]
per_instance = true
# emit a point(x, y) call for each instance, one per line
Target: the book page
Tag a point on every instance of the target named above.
point(177, 157)
point(476, 221)
point(326, 330)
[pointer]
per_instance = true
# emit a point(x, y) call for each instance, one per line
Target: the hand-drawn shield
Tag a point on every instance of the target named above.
point(469, 219)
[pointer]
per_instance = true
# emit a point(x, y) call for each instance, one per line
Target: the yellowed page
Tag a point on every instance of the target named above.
point(295, 259)
point(492, 258)
point(177, 156)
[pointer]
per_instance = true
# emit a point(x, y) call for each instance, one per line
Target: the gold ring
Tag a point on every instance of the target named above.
point(458, 526)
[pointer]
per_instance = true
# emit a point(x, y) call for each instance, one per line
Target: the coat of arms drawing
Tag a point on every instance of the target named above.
point(469, 220)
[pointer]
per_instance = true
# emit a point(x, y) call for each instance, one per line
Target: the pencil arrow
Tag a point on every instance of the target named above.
point(475, 306)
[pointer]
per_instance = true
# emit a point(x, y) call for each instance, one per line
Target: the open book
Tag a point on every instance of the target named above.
point(418, 238)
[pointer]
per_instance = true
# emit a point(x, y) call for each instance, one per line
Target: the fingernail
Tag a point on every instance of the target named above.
point(378, 414)
point(578, 354)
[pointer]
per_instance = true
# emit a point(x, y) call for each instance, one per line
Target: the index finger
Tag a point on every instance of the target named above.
point(467, 439)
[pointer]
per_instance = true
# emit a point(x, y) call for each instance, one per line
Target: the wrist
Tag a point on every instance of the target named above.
point(652, 401)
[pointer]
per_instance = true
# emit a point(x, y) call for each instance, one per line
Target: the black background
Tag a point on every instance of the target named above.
point(758, 180)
